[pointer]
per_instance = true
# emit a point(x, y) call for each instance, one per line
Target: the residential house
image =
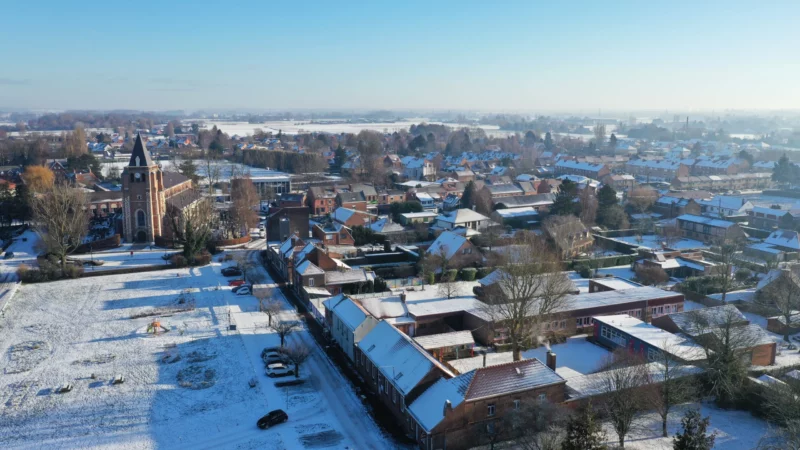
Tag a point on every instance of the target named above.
point(523, 218)
point(772, 218)
point(385, 226)
point(723, 206)
point(620, 183)
point(369, 193)
point(780, 245)
point(716, 166)
point(291, 199)
point(396, 368)
point(458, 250)
point(669, 206)
point(658, 169)
point(539, 202)
point(502, 190)
point(393, 163)
point(332, 234)
point(586, 169)
point(462, 218)
point(281, 223)
point(709, 230)
point(351, 217)
point(348, 323)
point(351, 200)
point(724, 182)
point(419, 217)
point(391, 196)
point(418, 168)
point(447, 414)
point(569, 236)
point(321, 201)
point(462, 175)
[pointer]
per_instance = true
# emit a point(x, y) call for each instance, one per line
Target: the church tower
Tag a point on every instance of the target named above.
point(143, 196)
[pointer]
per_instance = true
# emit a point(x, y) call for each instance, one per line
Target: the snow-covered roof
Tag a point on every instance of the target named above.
point(570, 164)
point(725, 202)
point(342, 215)
point(464, 365)
point(784, 238)
point(386, 226)
point(429, 408)
point(504, 379)
point(711, 317)
point(706, 221)
point(398, 357)
point(517, 212)
point(382, 306)
point(764, 247)
point(449, 242)
point(616, 283)
point(461, 216)
point(349, 312)
point(308, 268)
point(582, 386)
point(437, 341)
point(672, 344)
point(662, 164)
point(346, 276)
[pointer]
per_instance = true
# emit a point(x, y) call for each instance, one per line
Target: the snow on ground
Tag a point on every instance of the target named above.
point(618, 271)
point(736, 430)
point(120, 260)
point(689, 305)
point(577, 354)
point(653, 242)
point(81, 332)
point(744, 295)
point(24, 251)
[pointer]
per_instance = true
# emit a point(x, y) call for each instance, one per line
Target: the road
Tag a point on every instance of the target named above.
point(335, 405)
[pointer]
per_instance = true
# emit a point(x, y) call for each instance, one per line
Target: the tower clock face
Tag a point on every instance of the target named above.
point(138, 176)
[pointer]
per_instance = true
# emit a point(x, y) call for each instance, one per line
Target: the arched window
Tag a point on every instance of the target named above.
point(140, 220)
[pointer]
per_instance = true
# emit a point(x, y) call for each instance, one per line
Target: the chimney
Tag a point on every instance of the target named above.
point(551, 361)
point(447, 407)
point(484, 359)
point(403, 297)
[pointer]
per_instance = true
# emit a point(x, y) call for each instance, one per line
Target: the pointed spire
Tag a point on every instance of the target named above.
point(140, 156)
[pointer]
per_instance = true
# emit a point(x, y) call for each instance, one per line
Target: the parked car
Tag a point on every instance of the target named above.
point(232, 272)
point(9, 255)
point(269, 350)
point(274, 357)
point(278, 370)
point(236, 282)
point(271, 419)
point(244, 289)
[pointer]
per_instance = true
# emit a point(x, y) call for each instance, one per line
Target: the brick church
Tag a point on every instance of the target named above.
point(154, 202)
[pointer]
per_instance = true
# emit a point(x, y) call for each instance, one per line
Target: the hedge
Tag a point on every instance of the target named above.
point(468, 274)
point(599, 263)
point(451, 275)
point(483, 272)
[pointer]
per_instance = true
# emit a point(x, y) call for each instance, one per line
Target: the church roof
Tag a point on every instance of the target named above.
point(173, 179)
point(140, 154)
point(183, 199)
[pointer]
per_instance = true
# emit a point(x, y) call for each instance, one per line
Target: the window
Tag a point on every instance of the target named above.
point(490, 410)
point(516, 405)
point(394, 395)
point(311, 282)
point(542, 398)
point(652, 354)
point(140, 219)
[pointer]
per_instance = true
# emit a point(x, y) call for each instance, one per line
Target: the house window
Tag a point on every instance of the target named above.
point(490, 410)
point(652, 354)
point(311, 282)
point(394, 396)
point(542, 398)
point(516, 405)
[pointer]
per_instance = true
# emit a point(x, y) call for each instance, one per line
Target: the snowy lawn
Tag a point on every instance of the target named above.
point(577, 354)
point(618, 271)
point(185, 388)
point(120, 260)
point(653, 242)
point(736, 430)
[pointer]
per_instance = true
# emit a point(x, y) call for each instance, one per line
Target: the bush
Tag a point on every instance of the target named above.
point(178, 261)
point(72, 271)
point(468, 274)
point(584, 271)
point(211, 247)
point(201, 259)
point(49, 270)
point(483, 272)
point(430, 278)
point(450, 275)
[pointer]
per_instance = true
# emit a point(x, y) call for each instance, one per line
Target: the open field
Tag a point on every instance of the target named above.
point(184, 388)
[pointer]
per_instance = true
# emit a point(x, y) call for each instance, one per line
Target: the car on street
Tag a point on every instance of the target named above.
point(244, 289)
point(271, 419)
point(278, 370)
point(232, 272)
point(8, 255)
point(236, 282)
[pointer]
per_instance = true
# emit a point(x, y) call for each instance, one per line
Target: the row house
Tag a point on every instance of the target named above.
point(760, 180)
point(657, 169)
point(348, 323)
point(391, 196)
point(620, 183)
point(709, 230)
point(332, 234)
point(351, 200)
point(351, 217)
point(321, 201)
point(668, 206)
point(716, 166)
point(771, 218)
point(586, 169)
point(725, 206)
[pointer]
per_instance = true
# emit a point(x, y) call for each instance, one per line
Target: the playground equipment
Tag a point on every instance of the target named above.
point(155, 326)
point(118, 379)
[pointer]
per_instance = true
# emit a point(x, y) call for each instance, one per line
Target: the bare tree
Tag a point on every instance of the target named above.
point(213, 169)
point(641, 198)
point(784, 294)
point(526, 293)
point(726, 342)
point(624, 383)
point(284, 328)
point(538, 426)
point(192, 224)
point(670, 234)
point(245, 264)
point(297, 354)
point(781, 402)
point(588, 202)
point(268, 304)
point(651, 275)
point(61, 215)
point(675, 385)
point(599, 135)
point(242, 212)
point(726, 260)
point(447, 286)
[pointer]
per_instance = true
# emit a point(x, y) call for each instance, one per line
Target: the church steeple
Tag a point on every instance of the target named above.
point(140, 157)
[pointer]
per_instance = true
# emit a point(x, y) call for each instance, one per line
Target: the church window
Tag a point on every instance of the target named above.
point(140, 220)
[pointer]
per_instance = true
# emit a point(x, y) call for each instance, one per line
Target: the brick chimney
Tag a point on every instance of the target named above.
point(551, 361)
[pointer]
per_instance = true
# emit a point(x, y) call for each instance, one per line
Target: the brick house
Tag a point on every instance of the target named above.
point(391, 196)
point(351, 217)
point(283, 222)
point(710, 230)
point(458, 250)
point(396, 368)
point(348, 323)
point(453, 411)
point(351, 200)
point(586, 169)
point(332, 234)
point(670, 207)
point(624, 331)
point(569, 236)
point(321, 201)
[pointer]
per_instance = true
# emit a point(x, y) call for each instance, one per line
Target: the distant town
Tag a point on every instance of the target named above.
point(383, 280)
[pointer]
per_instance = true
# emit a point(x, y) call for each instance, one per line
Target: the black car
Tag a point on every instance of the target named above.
point(273, 418)
point(231, 271)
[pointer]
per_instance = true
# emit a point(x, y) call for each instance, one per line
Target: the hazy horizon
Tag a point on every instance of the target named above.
point(583, 58)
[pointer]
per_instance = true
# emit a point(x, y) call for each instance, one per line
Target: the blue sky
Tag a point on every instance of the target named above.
point(494, 56)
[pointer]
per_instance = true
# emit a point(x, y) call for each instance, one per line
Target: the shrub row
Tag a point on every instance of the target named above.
point(599, 263)
point(49, 270)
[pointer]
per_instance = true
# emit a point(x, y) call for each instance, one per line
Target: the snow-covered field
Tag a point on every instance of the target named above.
point(653, 242)
point(296, 127)
point(81, 332)
point(618, 271)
